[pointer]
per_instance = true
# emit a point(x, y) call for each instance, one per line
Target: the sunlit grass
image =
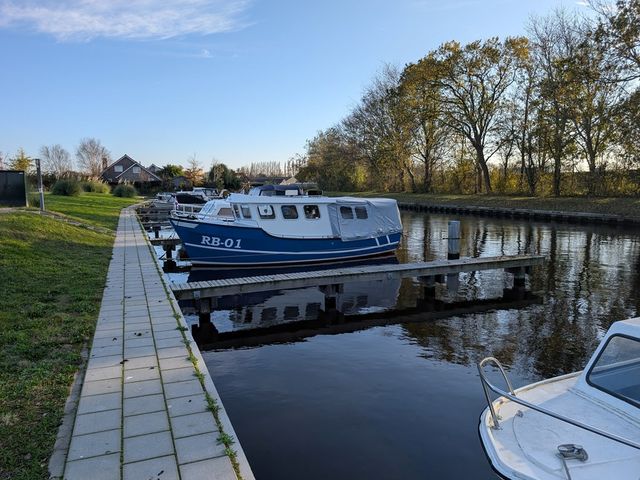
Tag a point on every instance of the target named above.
point(100, 209)
point(52, 275)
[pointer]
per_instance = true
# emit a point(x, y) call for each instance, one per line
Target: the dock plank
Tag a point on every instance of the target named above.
point(215, 288)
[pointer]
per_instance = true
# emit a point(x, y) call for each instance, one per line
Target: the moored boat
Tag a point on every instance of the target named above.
point(583, 425)
point(287, 228)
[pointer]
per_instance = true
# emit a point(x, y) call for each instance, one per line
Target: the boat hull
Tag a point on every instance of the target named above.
point(227, 245)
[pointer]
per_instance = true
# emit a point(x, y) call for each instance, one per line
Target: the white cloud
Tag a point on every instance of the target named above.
point(136, 19)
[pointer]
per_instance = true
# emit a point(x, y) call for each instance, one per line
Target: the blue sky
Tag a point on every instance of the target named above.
point(238, 80)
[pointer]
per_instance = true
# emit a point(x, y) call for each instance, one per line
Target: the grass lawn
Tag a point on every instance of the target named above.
point(52, 275)
point(629, 207)
point(99, 209)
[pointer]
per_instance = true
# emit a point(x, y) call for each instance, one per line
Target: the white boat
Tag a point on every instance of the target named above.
point(580, 426)
point(280, 225)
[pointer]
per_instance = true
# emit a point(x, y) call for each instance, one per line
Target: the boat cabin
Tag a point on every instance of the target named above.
point(293, 216)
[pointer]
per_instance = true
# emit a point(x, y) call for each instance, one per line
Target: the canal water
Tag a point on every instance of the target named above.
point(393, 400)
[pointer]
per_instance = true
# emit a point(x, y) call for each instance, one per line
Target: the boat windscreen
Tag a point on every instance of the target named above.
point(617, 369)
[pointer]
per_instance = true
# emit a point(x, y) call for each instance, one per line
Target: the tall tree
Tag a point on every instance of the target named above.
point(90, 155)
point(555, 42)
point(596, 96)
point(194, 171)
point(619, 27)
point(21, 161)
point(474, 81)
point(56, 160)
point(422, 97)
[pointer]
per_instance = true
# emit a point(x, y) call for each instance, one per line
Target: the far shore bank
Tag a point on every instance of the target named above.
point(609, 208)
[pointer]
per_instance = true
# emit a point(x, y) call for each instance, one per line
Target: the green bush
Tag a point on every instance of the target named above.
point(124, 190)
point(66, 186)
point(95, 186)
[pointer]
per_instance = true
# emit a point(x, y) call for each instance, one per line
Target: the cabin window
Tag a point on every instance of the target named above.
point(225, 212)
point(117, 168)
point(346, 213)
point(617, 369)
point(136, 169)
point(289, 212)
point(361, 213)
point(266, 212)
point(311, 211)
point(246, 211)
point(237, 210)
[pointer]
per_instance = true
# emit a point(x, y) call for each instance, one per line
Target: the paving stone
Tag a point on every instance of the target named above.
point(145, 404)
point(174, 362)
point(187, 405)
point(145, 423)
point(151, 469)
point(139, 389)
point(139, 351)
point(94, 444)
point(178, 375)
point(140, 362)
point(98, 403)
point(140, 374)
point(97, 422)
point(193, 424)
point(100, 387)
point(165, 326)
point(103, 373)
point(178, 351)
point(103, 362)
point(138, 333)
point(106, 351)
point(182, 389)
point(198, 447)
point(130, 328)
point(138, 342)
point(169, 342)
point(107, 341)
point(174, 333)
point(144, 447)
point(213, 469)
point(105, 467)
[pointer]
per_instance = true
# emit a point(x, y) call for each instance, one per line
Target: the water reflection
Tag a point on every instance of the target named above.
point(590, 279)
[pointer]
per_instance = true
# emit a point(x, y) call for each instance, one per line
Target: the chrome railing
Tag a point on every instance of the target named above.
point(511, 395)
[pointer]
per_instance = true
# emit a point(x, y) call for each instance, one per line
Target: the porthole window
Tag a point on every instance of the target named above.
point(246, 211)
point(361, 213)
point(311, 211)
point(346, 213)
point(266, 212)
point(289, 212)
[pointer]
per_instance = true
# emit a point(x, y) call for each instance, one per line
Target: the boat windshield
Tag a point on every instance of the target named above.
point(617, 369)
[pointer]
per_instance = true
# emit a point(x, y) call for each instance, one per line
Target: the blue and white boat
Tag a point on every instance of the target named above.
point(282, 226)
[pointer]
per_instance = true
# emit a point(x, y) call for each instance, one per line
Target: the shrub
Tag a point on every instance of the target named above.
point(123, 190)
point(66, 186)
point(95, 186)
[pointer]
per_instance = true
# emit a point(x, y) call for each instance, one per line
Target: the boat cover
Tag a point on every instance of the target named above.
point(383, 219)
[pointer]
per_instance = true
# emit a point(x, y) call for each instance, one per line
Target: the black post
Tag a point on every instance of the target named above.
point(40, 187)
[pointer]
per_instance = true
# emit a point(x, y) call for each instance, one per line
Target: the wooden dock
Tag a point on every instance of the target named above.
point(516, 264)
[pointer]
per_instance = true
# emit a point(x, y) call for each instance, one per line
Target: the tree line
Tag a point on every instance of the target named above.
point(554, 112)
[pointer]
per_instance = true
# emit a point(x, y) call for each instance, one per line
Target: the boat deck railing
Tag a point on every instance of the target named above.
point(511, 395)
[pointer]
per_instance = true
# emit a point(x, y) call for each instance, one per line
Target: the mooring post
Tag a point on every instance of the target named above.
point(169, 262)
point(453, 240)
point(156, 231)
point(428, 287)
point(331, 311)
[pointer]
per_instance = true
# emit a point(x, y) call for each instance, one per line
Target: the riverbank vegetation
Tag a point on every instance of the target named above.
point(554, 113)
point(623, 206)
